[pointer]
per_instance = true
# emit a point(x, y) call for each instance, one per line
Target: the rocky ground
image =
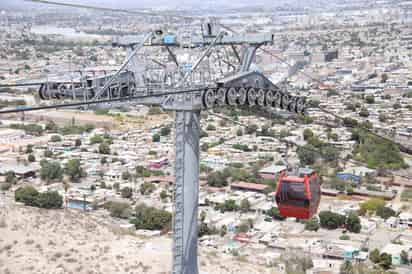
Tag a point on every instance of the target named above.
point(64, 241)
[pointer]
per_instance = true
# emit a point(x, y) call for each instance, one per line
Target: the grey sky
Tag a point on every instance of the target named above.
point(171, 4)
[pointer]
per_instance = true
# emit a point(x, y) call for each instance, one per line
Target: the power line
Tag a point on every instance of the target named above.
point(128, 11)
point(299, 146)
point(359, 126)
point(87, 103)
point(291, 66)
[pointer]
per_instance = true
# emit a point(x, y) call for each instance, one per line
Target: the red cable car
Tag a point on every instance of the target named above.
point(298, 196)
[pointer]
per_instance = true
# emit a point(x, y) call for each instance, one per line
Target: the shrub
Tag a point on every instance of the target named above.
point(55, 138)
point(312, 224)
point(228, 205)
point(274, 213)
point(165, 131)
point(147, 188)
point(353, 223)
point(26, 195)
point(344, 237)
point(74, 170)
point(31, 158)
point(49, 200)
point(331, 220)
point(127, 192)
point(31, 197)
point(210, 127)
point(50, 171)
point(204, 229)
point(118, 210)
point(96, 139)
point(104, 148)
point(371, 205)
point(151, 218)
point(5, 186)
point(156, 138)
point(385, 212)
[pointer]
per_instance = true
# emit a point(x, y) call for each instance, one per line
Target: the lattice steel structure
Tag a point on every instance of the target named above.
point(219, 77)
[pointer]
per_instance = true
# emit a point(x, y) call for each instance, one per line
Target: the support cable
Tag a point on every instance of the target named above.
point(287, 142)
point(87, 103)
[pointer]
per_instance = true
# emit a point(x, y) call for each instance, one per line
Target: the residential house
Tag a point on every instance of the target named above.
point(355, 174)
point(272, 172)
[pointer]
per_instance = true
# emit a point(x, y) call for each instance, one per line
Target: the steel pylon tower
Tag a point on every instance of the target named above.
point(186, 192)
point(187, 96)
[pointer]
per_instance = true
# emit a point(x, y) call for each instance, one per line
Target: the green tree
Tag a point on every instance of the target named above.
point(245, 205)
point(382, 118)
point(251, 129)
point(96, 139)
point(31, 197)
point(26, 195)
point(74, 170)
point(50, 170)
point(312, 224)
point(243, 227)
point(127, 192)
point(404, 257)
point(163, 195)
point(274, 213)
point(11, 178)
point(51, 126)
point(141, 171)
point(307, 154)
point(353, 223)
point(118, 210)
point(331, 220)
point(371, 205)
point(49, 200)
point(228, 205)
point(385, 260)
point(307, 134)
point(385, 212)
point(217, 179)
point(364, 112)
point(370, 99)
point(330, 153)
point(374, 256)
point(204, 229)
point(156, 138)
point(377, 152)
point(210, 127)
point(239, 132)
point(147, 188)
point(126, 175)
point(165, 131)
point(55, 138)
point(349, 122)
point(78, 142)
point(223, 231)
point(48, 154)
point(31, 158)
point(347, 268)
point(29, 149)
point(104, 148)
point(151, 218)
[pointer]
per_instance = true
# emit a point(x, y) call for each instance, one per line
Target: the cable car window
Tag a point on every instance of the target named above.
point(293, 194)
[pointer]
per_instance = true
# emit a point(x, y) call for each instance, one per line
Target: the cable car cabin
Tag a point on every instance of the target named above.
point(298, 196)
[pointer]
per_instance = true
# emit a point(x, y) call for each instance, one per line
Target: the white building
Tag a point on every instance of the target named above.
point(10, 136)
